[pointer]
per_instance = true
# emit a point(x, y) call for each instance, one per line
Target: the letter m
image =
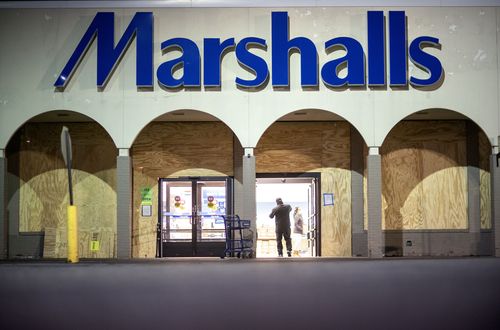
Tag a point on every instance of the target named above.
point(108, 56)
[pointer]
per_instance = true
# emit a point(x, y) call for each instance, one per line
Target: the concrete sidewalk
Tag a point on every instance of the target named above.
point(288, 293)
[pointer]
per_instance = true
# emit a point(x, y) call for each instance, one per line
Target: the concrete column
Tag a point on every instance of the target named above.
point(3, 218)
point(245, 204)
point(238, 152)
point(375, 235)
point(249, 191)
point(495, 198)
point(473, 183)
point(124, 204)
point(359, 241)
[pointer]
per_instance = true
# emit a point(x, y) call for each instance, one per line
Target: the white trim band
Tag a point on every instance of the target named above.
point(248, 3)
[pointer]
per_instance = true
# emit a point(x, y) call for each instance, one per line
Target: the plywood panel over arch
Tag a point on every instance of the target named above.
point(35, 162)
point(424, 176)
point(174, 149)
point(315, 147)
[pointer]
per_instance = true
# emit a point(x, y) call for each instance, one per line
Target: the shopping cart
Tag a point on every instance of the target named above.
point(239, 237)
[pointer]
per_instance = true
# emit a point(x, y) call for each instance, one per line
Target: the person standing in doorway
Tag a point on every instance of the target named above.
point(281, 213)
point(298, 231)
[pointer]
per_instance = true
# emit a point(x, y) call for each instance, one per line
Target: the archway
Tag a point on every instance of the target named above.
point(184, 145)
point(318, 142)
point(37, 189)
point(435, 185)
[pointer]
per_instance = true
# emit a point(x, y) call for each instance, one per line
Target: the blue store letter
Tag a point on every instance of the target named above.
point(213, 50)
point(398, 60)
point(189, 60)
point(426, 62)
point(252, 62)
point(281, 47)
point(108, 56)
point(376, 48)
point(354, 60)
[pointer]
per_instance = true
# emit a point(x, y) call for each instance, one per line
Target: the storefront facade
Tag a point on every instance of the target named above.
point(395, 109)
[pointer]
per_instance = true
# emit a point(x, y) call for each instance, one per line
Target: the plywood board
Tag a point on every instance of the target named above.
point(402, 205)
point(49, 242)
point(291, 147)
point(167, 148)
point(43, 188)
point(55, 245)
point(424, 176)
point(144, 228)
point(336, 220)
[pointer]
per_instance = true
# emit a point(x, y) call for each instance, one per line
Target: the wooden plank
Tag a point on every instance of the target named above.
point(171, 147)
point(290, 147)
point(402, 195)
point(336, 146)
point(144, 228)
point(424, 182)
point(105, 236)
point(336, 220)
point(61, 242)
point(84, 244)
point(49, 242)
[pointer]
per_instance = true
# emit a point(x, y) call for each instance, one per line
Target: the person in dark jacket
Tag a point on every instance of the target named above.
point(281, 213)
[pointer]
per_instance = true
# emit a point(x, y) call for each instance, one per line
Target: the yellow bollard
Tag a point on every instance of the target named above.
point(72, 235)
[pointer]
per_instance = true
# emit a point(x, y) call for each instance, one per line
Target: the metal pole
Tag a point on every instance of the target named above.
point(69, 165)
point(72, 225)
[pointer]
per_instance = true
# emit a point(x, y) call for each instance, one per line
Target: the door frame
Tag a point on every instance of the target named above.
point(313, 175)
point(194, 244)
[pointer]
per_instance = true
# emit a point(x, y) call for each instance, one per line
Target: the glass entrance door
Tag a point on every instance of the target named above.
point(190, 222)
point(312, 219)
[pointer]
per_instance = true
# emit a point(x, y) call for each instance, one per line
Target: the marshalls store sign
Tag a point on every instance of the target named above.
point(372, 72)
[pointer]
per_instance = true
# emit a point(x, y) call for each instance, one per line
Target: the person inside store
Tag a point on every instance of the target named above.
point(281, 213)
point(298, 231)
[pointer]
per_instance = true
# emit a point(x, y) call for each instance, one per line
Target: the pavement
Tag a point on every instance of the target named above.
point(274, 293)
